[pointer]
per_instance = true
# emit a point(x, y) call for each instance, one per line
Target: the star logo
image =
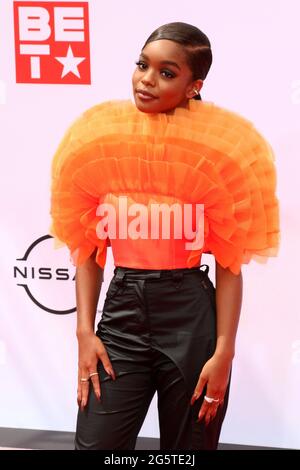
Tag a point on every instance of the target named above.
point(70, 63)
point(52, 42)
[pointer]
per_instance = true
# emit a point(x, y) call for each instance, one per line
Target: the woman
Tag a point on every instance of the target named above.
point(164, 325)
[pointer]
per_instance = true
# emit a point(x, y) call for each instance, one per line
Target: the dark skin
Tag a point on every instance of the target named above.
point(172, 86)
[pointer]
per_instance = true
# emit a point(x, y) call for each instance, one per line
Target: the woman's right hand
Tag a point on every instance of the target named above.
point(90, 350)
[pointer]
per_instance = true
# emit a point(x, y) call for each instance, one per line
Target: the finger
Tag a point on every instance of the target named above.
point(78, 396)
point(207, 418)
point(96, 384)
point(204, 415)
point(211, 413)
point(107, 364)
point(84, 387)
point(208, 411)
point(214, 394)
point(84, 394)
point(198, 389)
point(203, 410)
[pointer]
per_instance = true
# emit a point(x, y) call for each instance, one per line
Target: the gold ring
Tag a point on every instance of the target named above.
point(93, 373)
point(211, 400)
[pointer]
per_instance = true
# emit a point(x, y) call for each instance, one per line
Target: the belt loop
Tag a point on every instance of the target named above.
point(119, 276)
point(177, 277)
point(206, 268)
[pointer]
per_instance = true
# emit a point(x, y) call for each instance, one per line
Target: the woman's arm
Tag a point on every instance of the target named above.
point(215, 373)
point(229, 293)
point(89, 277)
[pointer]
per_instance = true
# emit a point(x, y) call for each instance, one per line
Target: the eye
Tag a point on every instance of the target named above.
point(168, 74)
point(141, 65)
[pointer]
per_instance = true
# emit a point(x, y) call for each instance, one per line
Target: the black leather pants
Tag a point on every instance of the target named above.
point(158, 327)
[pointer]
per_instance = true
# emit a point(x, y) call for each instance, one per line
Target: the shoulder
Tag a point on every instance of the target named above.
point(214, 113)
point(101, 113)
point(233, 125)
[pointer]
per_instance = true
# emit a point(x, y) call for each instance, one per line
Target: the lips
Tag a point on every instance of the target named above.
point(145, 94)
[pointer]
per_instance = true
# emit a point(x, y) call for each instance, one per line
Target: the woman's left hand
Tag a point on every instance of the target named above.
point(215, 375)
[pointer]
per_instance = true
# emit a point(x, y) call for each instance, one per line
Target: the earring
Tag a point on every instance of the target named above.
point(196, 91)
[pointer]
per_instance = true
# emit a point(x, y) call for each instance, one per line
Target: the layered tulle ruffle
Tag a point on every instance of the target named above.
point(203, 154)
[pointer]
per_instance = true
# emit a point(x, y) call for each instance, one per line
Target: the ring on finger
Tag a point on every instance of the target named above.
point(93, 373)
point(83, 379)
point(211, 400)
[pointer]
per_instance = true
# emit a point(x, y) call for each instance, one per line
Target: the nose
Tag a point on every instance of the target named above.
point(148, 78)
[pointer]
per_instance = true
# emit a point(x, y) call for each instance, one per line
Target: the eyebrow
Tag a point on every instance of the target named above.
point(170, 62)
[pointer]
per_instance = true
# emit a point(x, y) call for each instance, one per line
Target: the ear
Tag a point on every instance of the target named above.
point(191, 89)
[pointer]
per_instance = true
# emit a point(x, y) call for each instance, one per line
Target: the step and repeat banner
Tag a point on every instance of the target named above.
point(56, 60)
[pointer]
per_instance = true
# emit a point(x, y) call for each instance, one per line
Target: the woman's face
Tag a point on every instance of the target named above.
point(163, 73)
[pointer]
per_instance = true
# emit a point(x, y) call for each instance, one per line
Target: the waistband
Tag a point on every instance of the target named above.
point(121, 272)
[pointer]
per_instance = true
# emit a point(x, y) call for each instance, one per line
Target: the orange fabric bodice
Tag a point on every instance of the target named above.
point(202, 154)
point(151, 231)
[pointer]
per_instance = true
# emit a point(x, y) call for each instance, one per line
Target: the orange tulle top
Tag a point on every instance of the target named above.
point(114, 156)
